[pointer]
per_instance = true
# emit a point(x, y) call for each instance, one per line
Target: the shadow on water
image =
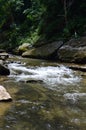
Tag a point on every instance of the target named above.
point(37, 107)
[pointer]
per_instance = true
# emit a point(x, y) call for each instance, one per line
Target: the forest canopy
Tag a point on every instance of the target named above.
point(40, 20)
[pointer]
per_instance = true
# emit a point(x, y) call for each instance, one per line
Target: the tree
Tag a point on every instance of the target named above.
point(50, 19)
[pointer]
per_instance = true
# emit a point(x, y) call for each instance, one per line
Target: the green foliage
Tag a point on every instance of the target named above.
point(54, 26)
point(3, 14)
point(40, 20)
point(31, 38)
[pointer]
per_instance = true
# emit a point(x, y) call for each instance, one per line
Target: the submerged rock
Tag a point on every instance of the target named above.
point(4, 95)
point(32, 81)
point(73, 51)
point(45, 51)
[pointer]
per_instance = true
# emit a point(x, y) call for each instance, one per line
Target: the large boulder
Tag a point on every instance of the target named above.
point(73, 51)
point(4, 95)
point(4, 70)
point(45, 51)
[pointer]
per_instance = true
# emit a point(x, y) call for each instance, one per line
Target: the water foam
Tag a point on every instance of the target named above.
point(50, 75)
point(74, 97)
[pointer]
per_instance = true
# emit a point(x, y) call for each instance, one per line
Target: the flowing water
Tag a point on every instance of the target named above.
point(46, 96)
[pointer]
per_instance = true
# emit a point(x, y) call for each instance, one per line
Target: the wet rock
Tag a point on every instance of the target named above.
point(4, 55)
point(45, 51)
point(77, 67)
point(73, 51)
point(4, 70)
point(34, 81)
point(1, 62)
point(4, 95)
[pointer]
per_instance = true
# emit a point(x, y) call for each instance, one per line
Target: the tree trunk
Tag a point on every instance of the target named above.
point(65, 13)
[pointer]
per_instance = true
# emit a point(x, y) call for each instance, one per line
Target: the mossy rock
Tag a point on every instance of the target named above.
point(24, 47)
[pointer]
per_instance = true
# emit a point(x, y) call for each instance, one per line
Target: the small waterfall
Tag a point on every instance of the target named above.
point(49, 75)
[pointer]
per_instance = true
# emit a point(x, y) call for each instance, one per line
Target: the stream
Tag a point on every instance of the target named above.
point(46, 96)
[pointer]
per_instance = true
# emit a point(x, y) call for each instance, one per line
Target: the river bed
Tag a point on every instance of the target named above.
point(46, 96)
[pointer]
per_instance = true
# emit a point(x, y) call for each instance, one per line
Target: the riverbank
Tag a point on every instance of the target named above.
point(73, 51)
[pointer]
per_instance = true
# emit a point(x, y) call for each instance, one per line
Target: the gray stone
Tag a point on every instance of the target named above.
point(45, 51)
point(4, 55)
point(73, 51)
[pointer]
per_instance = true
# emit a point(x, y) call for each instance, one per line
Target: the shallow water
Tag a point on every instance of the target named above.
point(46, 96)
